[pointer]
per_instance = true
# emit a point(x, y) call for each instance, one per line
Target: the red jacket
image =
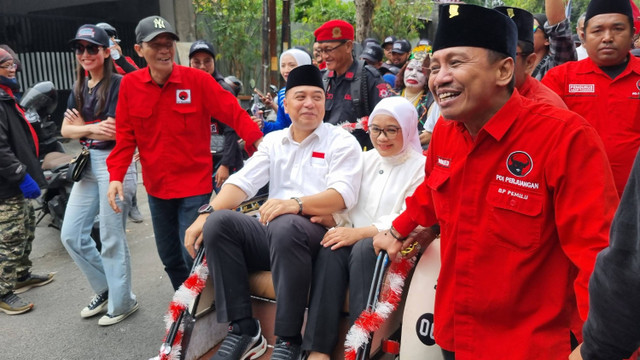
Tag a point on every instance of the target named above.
point(611, 106)
point(171, 126)
point(523, 210)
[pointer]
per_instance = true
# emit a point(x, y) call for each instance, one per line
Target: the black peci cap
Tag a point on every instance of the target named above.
point(475, 26)
point(597, 7)
point(523, 20)
point(308, 75)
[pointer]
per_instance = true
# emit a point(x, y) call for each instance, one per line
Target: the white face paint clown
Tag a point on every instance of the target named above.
point(415, 75)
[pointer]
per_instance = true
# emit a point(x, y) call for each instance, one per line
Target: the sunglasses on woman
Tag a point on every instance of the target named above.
point(92, 49)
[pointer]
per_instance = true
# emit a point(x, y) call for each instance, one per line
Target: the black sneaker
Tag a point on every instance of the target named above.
point(97, 305)
point(12, 304)
point(285, 350)
point(239, 346)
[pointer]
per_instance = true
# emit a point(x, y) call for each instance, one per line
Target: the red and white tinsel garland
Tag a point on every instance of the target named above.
point(186, 293)
point(370, 320)
point(361, 123)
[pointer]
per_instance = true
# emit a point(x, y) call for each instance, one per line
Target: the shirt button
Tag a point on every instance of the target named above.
point(381, 172)
point(512, 202)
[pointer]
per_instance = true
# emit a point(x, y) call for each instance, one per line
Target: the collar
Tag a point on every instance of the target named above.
point(6, 93)
point(586, 66)
point(175, 77)
point(317, 133)
point(528, 84)
point(500, 123)
point(349, 75)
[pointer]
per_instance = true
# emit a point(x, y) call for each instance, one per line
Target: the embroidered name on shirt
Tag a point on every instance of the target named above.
point(514, 181)
point(582, 88)
point(444, 162)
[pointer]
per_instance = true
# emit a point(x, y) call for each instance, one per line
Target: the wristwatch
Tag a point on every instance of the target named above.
point(205, 209)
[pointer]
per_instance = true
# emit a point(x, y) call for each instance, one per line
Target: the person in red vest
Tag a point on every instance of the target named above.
point(605, 87)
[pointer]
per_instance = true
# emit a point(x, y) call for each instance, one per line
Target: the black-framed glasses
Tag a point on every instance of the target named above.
point(327, 51)
point(390, 133)
point(92, 49)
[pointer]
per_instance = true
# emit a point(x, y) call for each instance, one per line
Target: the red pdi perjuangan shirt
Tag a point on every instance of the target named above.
point(171, 126)
point(611, 106)
point(524, 210)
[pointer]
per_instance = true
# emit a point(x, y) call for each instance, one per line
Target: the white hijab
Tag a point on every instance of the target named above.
point(406, 115)
point(301, 57)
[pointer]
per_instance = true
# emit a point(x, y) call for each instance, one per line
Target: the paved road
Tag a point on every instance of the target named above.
point(54, 328)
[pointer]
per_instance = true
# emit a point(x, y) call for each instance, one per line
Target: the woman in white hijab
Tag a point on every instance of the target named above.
point(289, 60)
point(392, 171)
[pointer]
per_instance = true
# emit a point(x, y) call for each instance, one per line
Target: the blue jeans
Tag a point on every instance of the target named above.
point(109, 269)
point(171, 218)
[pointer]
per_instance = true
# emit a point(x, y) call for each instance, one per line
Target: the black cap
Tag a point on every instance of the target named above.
point(597, 7)
point(308, 75)
point(523, 20)
point(93, 34)
point(542, 19)
point(111, 31)
point(373, 52)
point(389, 40)
point(202, 46)
point(368, 41)
point(424, 42)
point(475, 26)
point(152, 26)
point(401, 46)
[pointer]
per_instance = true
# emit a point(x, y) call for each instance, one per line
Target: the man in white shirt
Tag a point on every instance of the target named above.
point(313, 168)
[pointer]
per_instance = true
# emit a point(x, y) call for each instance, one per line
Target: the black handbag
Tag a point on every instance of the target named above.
point(78, 165)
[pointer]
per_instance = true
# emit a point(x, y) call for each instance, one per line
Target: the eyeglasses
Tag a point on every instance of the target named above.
point(390, 132)
point(92, 49)
point(536, 27)
point(9, 67)
point(327, 51)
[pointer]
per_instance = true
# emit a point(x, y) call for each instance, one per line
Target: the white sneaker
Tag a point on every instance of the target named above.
point(109, 319)
point(97, 305)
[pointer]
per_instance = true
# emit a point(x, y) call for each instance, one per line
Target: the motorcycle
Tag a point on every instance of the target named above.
point(39, 102)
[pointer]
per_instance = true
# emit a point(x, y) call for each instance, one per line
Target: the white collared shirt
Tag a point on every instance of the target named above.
point(329, 158)
point(386, 183)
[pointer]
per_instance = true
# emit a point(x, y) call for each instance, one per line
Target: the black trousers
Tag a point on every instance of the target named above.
point(237, 244)
point(333, 271)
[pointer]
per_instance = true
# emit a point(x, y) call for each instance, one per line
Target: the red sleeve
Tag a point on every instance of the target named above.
point(223, 106)
point(554, 79)
point(419, 209)
point(120, 157)
point(585, 200)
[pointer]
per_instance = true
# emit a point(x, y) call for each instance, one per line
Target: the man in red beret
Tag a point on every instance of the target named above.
point(353, 88)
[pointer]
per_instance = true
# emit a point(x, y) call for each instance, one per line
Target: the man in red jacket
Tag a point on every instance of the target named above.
point(165, 110)
point(605, 87)
point(523, 194)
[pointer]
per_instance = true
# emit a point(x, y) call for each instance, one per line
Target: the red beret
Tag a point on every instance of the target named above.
point(334, 30)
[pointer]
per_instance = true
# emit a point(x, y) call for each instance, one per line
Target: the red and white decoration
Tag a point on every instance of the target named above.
point(184, 296)
point(370, 320)
point(361, 123)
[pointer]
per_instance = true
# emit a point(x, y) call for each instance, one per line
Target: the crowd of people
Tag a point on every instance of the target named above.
point(499, 136)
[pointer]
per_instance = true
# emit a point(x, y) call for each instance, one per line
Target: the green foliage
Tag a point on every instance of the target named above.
point(317, 12)
point(234, 27)
point(400, 18)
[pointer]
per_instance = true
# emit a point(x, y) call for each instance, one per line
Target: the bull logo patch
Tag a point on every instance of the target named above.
point(519, 163)
point(183, 96)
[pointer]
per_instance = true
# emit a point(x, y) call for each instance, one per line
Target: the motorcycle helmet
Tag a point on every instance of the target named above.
point(41, 97)
point(235, 84)
point(111, 31)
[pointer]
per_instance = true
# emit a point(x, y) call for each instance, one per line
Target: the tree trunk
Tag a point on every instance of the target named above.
point(364, 12)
